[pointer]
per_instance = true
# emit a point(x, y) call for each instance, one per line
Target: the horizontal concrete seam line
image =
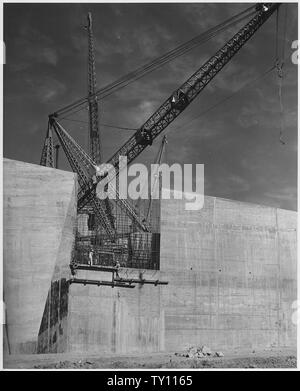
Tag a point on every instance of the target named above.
point(219, 314)
point(223, 329)
point(245, 307)
point(243, 262)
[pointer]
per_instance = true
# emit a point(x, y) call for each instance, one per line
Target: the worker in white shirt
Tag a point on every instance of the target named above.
point(117, 266)
point(91, 255)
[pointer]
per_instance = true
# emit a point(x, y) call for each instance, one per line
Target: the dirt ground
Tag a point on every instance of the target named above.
point(270, 358)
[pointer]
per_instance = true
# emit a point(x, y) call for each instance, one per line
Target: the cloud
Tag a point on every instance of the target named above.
point(46, 89)
point(147, 107)
point(247, 118)
point(230, 184)
point(30, 48)
point(237, 183)
point(50, 55)
point(288, 194)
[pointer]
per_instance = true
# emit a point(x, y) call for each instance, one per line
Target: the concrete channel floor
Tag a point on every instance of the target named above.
point(267, 358)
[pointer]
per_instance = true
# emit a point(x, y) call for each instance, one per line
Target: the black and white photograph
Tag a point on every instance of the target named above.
point(149, 192)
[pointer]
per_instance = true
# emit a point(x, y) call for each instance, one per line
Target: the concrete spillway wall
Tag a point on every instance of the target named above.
point(88, 318)
point(38, 223)
point(232, 274)
point(231, 269)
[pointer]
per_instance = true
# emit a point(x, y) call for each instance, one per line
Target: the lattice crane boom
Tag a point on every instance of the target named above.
point(175, 104)
point(83, 165)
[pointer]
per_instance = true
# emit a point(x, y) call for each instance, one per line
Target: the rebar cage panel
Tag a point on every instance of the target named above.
point(131, 247)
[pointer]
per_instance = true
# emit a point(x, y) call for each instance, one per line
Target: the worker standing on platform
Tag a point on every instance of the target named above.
point(91, 255)
point(117, 266)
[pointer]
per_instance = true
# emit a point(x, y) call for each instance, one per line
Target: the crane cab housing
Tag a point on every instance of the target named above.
point(262, 7)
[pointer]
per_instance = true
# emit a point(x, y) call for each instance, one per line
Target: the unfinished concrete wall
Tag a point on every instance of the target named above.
point(53, 331)
point(115, 320)
point(231, 269)
point(232, 273)
point(39, 220)
point(88, 318)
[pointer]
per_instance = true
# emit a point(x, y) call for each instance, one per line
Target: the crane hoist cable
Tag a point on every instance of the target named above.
point(156, 181)
point(215, 105)
point(277, 35)
point(102, 124)
point(210, 108)
point(280, 51)
point(119, 127)
point(123, 82)
point(228, 97)
point(168, 58)
point(153, 179)
point(279, 66)
point(160, 61)
point(280, 80)
point(284, 31)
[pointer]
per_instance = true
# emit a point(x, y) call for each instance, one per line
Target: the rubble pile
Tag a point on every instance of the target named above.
point(199, 352)
point(67, 364)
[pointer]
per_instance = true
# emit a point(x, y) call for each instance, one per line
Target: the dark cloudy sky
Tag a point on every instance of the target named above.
point(238, 141)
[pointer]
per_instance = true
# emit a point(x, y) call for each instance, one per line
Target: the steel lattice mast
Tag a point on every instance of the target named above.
point(94, 131)
point(47, 157)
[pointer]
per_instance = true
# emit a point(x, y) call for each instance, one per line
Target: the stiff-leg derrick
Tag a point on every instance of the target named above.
point(139, 221)
point(84, 166)
point(47, 157)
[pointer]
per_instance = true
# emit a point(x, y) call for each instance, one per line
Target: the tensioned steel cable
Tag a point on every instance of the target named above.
point(102, 124)
point(248, 84)
point(140, 72)
point(169, 56)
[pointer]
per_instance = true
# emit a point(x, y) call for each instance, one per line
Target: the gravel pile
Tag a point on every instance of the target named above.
point(199, 352)
point(68, 364)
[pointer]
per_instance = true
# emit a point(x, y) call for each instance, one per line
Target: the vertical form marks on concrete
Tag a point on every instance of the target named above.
point(245, 282)
point(53, 333)
point(115, 320)
point(37, 203)
point(287, 223)
point(54, 339)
